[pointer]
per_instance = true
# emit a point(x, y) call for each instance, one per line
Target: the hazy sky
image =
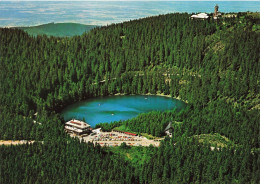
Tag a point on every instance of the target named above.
point(20, 13)
point(131, 0)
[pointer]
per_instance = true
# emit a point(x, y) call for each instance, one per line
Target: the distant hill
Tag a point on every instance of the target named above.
point(58, 29)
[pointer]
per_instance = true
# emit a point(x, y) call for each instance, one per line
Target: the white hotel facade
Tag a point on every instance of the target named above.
point(77, 127)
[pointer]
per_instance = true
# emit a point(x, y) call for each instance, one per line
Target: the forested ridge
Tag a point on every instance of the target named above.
point(212, 65)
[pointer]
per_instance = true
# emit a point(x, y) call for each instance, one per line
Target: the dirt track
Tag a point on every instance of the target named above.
point(10, 142)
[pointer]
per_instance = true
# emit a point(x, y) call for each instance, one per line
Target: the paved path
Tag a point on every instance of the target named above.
point(116, 139)
point(130, 143)
point(102, 138)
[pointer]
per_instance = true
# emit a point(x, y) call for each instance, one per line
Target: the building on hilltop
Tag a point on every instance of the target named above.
point(200, 16)
point(77, 127)
point(216, 13)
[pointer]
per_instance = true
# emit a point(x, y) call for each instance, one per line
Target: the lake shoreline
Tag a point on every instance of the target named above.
point(119, 107)
point(150, 94)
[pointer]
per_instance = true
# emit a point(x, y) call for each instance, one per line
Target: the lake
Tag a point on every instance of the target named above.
point(115, 108)
point(31, 13)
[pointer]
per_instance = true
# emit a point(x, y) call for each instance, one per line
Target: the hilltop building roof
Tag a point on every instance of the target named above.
point(200, 16)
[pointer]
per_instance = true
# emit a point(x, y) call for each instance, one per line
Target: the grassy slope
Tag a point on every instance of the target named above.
point(215, 140)
point(58, 29)
point(136, 155)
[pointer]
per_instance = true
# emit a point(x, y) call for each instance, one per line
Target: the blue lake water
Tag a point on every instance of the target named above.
point(28, 13)
point(115, 108)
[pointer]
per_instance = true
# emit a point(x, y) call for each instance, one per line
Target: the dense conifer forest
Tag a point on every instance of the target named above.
point(213, 65)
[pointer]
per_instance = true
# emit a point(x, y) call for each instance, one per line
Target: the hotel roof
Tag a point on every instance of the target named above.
point(77, 124)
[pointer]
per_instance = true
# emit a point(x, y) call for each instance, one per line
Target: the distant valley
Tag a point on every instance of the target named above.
point(58, 29)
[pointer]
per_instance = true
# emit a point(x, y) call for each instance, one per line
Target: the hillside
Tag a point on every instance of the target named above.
point(58, 29)
point(212, 65)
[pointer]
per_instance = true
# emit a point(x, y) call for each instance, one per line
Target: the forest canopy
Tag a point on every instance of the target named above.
point(211, 64)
